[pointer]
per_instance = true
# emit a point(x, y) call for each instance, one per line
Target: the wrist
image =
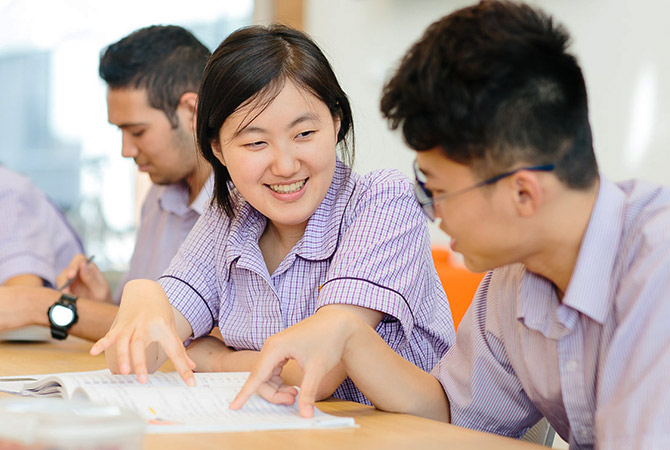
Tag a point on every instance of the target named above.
point(354, 334)
point(231, 360)
point(42, 298)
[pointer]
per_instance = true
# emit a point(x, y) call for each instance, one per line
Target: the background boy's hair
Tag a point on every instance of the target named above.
point(167, 61)
point(493, 86)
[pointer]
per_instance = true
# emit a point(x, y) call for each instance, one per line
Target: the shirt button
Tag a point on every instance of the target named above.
point(571, 365)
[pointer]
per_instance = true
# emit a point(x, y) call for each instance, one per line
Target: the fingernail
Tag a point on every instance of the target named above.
point(191, 382)
point(142, 378)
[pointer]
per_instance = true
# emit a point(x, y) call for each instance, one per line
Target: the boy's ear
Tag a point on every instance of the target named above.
point(189, 101)
point(527, 192)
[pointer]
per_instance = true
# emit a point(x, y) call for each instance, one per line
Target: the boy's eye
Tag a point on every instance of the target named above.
point(137, 133)
point(433, 192)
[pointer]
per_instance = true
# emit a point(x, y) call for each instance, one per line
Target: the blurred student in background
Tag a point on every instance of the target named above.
point(36, 240)
point(152, 77)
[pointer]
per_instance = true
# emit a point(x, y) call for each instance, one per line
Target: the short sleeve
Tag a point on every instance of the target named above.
point(190, 280)
point(383, 258)
point(34, 238)
point(483, 390)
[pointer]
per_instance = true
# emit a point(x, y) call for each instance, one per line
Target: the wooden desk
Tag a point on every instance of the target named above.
point(376, 429)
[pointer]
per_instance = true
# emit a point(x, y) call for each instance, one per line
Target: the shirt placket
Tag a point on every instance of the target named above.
point(575, 395)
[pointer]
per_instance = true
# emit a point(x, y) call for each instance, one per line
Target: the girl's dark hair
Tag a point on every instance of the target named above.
point(253, 63)
point(493, 85)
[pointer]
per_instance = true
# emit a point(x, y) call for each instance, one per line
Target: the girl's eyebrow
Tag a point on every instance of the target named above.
point(307, 117)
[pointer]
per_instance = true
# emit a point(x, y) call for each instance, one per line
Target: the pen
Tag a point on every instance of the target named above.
point(71, 279)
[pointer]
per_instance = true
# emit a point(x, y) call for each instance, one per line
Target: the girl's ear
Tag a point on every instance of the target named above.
point(338, 123)
point(216, 149)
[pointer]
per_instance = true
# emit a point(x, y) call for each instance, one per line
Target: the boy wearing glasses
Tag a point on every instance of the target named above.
point(570, 322)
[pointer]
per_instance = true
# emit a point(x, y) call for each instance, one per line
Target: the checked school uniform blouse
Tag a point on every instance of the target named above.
point(366, 244)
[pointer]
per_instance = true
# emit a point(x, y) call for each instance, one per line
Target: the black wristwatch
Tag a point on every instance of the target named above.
point(62, 315)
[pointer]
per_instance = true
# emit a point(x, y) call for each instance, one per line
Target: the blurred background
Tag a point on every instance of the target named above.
point(53, 112)
point(53, 120)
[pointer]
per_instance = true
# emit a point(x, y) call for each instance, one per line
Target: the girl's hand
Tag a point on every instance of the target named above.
point(146, 327)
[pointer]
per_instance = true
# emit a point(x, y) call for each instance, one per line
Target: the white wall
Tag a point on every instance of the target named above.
point(623, 47)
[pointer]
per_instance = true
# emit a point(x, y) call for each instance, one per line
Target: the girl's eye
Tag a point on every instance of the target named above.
point(138, 133)
point(255, 145)
point(305, 134)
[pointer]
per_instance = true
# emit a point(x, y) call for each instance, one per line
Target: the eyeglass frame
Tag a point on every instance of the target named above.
point(425, 197)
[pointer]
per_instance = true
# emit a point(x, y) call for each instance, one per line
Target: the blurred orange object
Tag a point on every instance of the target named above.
point(458, 282)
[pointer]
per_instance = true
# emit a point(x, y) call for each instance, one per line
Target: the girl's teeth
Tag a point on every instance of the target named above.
point(287, 188)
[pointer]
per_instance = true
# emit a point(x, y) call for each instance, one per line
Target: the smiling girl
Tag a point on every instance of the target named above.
point(291, 229)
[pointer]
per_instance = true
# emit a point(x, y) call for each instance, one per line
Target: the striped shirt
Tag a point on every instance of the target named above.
point(166, 219)
point(366, 244)
point(597, 364)
point(35, 237)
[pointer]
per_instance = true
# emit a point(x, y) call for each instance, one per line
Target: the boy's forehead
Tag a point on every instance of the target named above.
point(432, 161)
point(128, 106)
point(139, 96)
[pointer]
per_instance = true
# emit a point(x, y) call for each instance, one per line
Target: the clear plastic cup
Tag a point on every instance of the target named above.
point(51, 423)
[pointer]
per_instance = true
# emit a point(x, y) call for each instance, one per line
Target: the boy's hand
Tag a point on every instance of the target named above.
point(316, 344)
point(89, 282)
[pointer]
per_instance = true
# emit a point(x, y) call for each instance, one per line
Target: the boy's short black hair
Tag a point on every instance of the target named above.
point(166, 60)
point(493, 86)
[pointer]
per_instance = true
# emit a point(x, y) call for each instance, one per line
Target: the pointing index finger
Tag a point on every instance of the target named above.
point(259, 375)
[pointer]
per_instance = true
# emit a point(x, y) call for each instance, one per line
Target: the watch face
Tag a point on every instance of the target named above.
point(61, 315)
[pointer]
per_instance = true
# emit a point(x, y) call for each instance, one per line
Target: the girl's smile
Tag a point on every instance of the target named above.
point(290, 191)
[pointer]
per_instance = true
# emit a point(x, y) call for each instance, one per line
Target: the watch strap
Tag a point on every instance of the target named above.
point(61, 332)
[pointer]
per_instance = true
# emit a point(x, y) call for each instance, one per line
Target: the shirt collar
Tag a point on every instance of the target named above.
point(592, 277)
point(589, 289)
point(204, 196)
point(538, 307)
point(322, 233)
point(174, 198)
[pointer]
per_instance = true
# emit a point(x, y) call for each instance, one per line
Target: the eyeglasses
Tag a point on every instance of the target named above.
point(427, 201)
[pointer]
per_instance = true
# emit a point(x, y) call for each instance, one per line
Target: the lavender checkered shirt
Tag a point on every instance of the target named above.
point(367, 244)
point(35, 237)
point(597, 364)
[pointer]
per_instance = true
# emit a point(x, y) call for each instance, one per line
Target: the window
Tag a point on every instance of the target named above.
point(53, 115)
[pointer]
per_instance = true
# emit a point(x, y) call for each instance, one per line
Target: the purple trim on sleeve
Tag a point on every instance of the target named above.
point(194, 290)
point(374, 284)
